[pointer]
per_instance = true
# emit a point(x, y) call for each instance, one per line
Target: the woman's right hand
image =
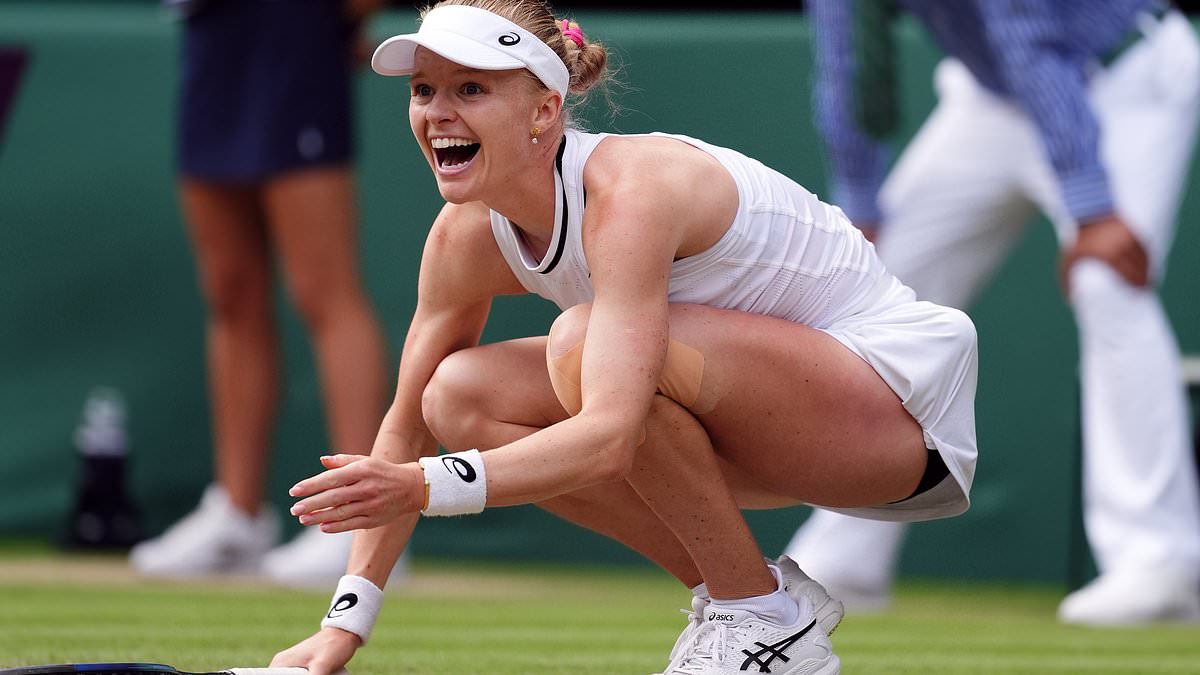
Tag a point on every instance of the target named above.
point(323, 653)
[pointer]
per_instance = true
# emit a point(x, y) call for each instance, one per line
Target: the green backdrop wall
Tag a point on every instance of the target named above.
point(97, 282)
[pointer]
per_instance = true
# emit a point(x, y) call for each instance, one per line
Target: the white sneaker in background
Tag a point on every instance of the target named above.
point(1134, 600)
point(853, 558)
point(314, 559)
point(695, 617)
point(733, 642)
point(215, 538)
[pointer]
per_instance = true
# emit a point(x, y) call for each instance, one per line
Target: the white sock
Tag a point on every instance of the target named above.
point(777, 607)
point(701, 591)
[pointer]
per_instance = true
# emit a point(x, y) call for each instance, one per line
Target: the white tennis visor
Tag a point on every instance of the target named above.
point(475, 38)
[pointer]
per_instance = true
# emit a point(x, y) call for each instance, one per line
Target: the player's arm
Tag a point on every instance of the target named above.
point(461, 271)
point(636, 220)
point(631, 233)
point(632, 229)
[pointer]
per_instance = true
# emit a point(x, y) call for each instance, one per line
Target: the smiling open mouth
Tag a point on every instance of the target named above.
point(451, 153)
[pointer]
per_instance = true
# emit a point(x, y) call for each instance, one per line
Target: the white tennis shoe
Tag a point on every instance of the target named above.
point(215, 538)
point(828, 610)
point(1134, 600)
point(314, 559)
point(733, 642)
point(685, 641)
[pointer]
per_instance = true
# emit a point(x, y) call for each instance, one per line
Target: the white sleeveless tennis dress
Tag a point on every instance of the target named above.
point(791, 256)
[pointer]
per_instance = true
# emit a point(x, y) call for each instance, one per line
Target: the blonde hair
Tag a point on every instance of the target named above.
point(587, 64)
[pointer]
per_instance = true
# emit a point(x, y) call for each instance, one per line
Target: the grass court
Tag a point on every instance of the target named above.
point(510, 619)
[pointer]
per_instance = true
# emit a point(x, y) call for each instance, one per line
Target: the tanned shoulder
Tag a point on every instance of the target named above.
point(461, 258)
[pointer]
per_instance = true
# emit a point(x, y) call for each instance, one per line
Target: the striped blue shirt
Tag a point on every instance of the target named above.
point(1035, 53)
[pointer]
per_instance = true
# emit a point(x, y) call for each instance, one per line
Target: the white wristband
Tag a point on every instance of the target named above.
point(355, 606)
point(455, 484)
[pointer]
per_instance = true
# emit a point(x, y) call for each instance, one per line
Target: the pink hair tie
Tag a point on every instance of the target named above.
point(571, 30)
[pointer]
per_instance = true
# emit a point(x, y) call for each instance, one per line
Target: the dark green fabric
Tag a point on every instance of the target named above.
point(875, 54)
point(1132, 36)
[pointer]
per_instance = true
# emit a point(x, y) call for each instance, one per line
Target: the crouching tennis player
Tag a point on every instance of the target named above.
point(726, 340)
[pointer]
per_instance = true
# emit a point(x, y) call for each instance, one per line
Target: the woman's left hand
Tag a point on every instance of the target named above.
point(358, 492)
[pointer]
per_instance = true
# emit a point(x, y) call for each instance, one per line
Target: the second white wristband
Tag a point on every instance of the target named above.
point(355, 606)
point(456, 484)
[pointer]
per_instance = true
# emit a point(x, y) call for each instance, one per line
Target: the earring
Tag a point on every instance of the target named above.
point(534, 134)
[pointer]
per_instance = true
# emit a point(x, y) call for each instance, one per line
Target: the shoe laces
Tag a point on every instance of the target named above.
point(711, 642)
point(686, 638)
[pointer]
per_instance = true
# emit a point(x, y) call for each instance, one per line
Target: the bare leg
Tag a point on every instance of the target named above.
point(796, 416)
point(676, 474)
point(515, 400)
point(313, 223)
point(774, 401)
point(233, 256)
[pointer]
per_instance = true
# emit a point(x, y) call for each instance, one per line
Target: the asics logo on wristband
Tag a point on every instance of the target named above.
point(342, 605)
point(460, 467)
point(355, 606)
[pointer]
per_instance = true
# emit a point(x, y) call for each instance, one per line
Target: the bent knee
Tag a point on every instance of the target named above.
point(452, 402)
point(568, 330)
point(564, 356)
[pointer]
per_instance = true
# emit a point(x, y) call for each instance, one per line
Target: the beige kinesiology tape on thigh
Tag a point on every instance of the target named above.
point(680, 380)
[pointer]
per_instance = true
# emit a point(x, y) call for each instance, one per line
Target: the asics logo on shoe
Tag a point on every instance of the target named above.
point(720, 617)
point(460, 467)
point(772, 652)
point(342, 605)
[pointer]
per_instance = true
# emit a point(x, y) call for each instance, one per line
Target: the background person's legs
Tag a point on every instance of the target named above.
point(313, 226)
point(313, 223)
point(233, 254)
point(232, 528)
point(1141, 512)
point(952, 212)
point(1141, 508)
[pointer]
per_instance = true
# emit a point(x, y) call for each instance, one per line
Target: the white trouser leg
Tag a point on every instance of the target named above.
point(953, 206)
point(1141, 509)
point(848, 553)
point(1140, 505)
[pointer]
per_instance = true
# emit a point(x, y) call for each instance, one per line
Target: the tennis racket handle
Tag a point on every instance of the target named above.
point(276, 671)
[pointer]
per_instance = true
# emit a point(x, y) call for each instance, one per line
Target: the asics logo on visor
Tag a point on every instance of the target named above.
point(509, 39)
